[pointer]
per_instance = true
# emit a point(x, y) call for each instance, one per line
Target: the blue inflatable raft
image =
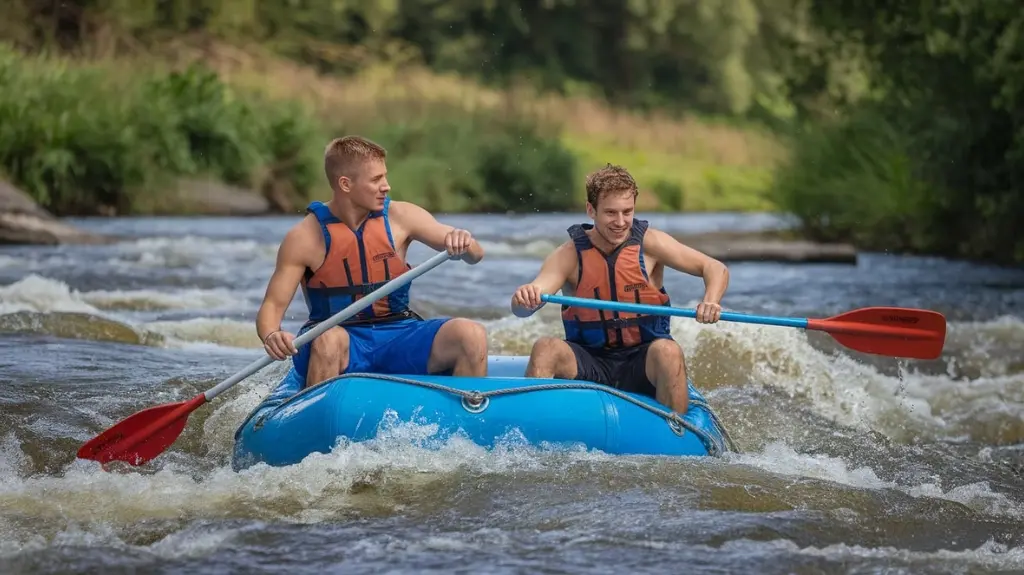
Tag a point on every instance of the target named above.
point(291, 423)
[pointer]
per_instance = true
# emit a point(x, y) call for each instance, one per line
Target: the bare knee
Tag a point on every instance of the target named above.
point(330, 347)
point(460, 346)
point(664, 354)
point(471, 337)
point(551, 357)
point(666, 370)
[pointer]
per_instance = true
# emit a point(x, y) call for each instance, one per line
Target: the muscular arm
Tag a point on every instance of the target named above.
point(291, 263)
point(422, 226)
point(680, 257)
point(553, 274)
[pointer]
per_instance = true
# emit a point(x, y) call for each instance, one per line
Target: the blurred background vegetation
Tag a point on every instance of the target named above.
point(898, 126)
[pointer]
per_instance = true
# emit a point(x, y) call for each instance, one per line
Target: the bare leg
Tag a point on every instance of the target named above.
point(551, 358)
point(666, 369)
point(328, 356)
point(461, 346)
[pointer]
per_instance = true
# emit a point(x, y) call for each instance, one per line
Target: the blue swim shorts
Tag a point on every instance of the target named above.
point(397, 347)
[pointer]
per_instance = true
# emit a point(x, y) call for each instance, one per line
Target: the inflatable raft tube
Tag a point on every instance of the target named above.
point(292, 423)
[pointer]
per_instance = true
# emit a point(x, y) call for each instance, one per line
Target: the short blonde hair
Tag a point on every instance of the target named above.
point(343, 155)
point(610, 179)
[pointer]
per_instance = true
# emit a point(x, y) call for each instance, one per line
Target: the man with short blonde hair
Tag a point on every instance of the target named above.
point(342, 154)
point(349, 247)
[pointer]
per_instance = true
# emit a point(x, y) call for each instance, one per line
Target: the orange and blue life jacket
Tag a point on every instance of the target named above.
point(618, 276)
point(356, 263)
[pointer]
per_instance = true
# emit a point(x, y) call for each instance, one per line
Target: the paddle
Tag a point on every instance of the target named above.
point(146, 434)
point(893, 331)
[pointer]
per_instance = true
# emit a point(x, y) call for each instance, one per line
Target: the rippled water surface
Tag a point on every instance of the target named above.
point(848, 463)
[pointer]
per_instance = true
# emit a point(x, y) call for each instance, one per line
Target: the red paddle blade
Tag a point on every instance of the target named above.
point(139, 438)
point(895, 331)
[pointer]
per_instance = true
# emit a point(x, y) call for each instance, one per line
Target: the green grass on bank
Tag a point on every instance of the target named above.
point(113, 136)
point(675, 183)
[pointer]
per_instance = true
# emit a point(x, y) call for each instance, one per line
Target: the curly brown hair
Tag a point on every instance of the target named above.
point(342, 155)
point(610, 179)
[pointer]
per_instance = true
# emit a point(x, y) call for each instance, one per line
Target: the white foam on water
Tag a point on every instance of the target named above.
point(12, 460)
point(383, 546)
point(315, 490)
point(222, 332)
point(10, 261)
point(538, 249)
point(192, 252)
point(179, 299)
point(991, 555)
point(781, 459)
point(187, 543)
point(40, 294)
point(990, 348)
point(44, 295)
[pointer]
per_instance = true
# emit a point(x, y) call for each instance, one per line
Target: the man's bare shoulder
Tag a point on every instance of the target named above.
point(302, 242)
point(655, 238)
point(668, 251)
point(402, 209)
point(564, 257)
point(305, 230)
point(566, 248)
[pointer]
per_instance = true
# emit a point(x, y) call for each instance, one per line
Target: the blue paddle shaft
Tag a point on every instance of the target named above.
point(666, 310)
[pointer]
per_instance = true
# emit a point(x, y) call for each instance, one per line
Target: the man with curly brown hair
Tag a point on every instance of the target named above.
point(618, 258)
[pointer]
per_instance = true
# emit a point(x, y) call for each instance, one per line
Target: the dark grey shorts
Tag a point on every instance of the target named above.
point(624, 369)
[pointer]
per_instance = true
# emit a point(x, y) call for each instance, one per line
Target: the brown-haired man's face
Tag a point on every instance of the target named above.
point(368, 185)
point(613, 215)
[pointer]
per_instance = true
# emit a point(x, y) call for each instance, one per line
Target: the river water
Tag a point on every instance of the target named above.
point(848, 463)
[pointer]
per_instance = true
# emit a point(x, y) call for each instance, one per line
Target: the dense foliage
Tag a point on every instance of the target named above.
point(722, 56)
point(933, 161)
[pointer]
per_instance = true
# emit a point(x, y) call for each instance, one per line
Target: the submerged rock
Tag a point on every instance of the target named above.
point(211, 198)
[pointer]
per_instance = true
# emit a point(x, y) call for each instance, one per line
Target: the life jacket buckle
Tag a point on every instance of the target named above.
point(619, 322)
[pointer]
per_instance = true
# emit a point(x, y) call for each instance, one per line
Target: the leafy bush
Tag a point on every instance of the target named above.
point(522, 171)
point(87, 137)
point(854, 180)
point(453, 160)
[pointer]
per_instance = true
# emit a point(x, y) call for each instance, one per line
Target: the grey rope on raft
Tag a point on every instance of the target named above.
point(478, 397)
